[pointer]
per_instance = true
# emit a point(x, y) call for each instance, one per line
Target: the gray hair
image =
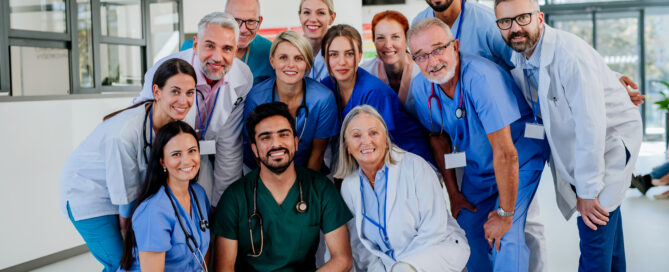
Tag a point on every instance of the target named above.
point(346, 163)
point(423, 25)
point(221, 19)
point(297, 40)
point(535, 3)
point(227, 4)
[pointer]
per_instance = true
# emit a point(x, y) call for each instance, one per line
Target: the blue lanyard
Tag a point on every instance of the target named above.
point(211, 113)
point(151, 125)
point(535, 108)
point(454, 138)
point(382, 229)
point(462, 16)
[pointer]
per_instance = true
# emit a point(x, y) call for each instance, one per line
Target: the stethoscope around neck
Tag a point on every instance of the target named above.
point(301, 207)
point(303, 105)
point(203, 224)
point(147, 142)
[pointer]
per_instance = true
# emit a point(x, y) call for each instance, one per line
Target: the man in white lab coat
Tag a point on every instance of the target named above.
point(222, 84)
point(593, 128)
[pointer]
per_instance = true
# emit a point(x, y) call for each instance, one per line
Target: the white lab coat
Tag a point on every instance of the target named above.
point(225, 126)
point(589, 121)
point(421, 230)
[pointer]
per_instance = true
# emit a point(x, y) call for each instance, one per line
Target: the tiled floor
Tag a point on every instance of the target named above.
point(645, 221)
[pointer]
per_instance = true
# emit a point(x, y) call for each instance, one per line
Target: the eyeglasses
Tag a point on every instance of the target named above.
point(439, 51)
point(251, 24)
point(522, 20)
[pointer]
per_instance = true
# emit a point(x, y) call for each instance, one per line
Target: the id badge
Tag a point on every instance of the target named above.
point(207, 147)
point(455, 160)
point(534, 131)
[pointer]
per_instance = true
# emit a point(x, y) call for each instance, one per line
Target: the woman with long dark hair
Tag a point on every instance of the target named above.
point(102, 177)
point(169, 228)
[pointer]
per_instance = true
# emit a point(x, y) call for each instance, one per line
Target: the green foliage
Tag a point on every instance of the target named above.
point(663, 103)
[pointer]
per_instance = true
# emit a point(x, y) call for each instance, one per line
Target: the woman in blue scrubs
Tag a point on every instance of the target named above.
point(102, 177)
point(315, 17)
point(354, 86)
point(311, 104)
point(169, 229)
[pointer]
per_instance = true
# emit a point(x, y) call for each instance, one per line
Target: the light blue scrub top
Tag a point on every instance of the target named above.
point(321, 122)
point(479, 35)
point(320, 70)
point(157, 230)
point(491, 102)
point(405, 131)
point(375, 207)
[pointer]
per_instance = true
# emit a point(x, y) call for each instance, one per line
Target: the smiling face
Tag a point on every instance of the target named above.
point(181, 158)
point(275, 143)
point(289, 63)
point(244, 10)
point(343, 58)
point(390, 41)
point(315, 18)
point(366, 141)
point(216, 49)
point(439, 66)
point(176, 96)
point(520, 38)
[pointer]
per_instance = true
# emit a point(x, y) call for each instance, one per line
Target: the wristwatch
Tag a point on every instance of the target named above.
point(503, 213)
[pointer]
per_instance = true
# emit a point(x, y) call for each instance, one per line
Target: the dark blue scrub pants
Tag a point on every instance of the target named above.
point(514, 254)
point(103, 237)
point(602, 249)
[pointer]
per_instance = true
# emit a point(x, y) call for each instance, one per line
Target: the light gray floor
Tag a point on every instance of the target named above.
point(645, 222)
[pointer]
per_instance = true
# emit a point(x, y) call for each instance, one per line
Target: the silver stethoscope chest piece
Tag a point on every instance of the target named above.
point(459, 113)
point(301, 207)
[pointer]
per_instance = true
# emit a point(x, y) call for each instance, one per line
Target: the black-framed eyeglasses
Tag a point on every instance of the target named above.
point(439, 51)
point(251, 24)
point(522, 20)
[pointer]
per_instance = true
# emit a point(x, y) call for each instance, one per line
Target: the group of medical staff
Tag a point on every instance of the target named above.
point(291, 154)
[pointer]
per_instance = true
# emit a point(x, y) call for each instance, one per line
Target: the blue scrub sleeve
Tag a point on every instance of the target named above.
point(327, 117)
point(492, 95)
point(125, 209)
point(152, 226)
point(386, 102)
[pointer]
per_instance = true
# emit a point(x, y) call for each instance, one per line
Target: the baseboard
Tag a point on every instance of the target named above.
point(47, 260)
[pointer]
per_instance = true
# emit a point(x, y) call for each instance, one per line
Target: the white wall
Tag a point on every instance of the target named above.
point(36, 138)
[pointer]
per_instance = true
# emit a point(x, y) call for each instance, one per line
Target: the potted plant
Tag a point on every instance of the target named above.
point(663, 104)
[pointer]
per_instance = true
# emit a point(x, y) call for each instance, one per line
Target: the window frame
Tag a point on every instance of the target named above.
point(69, 40)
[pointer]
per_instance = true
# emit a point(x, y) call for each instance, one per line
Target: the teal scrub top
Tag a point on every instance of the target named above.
point(290, 238)
point(258, 60)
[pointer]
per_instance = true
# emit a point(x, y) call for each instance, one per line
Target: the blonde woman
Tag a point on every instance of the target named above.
point(315, 17)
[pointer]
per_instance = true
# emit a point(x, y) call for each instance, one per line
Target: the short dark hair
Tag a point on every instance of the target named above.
point(265, 111)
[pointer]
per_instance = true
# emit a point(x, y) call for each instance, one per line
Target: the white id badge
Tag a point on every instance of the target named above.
point(207, 147)
point(534, 131)
point(455, 160)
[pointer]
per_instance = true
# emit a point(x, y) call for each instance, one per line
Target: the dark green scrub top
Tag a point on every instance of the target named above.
point(290, 238)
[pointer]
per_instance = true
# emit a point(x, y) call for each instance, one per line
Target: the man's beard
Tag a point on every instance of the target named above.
point(529, 43)
point(440, 8)
point(215, 77)
point(277, 169)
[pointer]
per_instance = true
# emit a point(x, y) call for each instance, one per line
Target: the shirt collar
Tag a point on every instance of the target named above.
point(534, 62)
point(202, 84)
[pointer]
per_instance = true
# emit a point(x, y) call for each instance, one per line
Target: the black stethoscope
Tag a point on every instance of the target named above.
point(147, 143)
point(204, 225)
point(301, 207)
point(303, 105)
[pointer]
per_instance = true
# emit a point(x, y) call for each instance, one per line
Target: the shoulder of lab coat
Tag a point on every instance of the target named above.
point(147, 87)
point(430, 249)
point(228, 163)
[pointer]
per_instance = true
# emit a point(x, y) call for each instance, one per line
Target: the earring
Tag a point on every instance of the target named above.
point(164, 169)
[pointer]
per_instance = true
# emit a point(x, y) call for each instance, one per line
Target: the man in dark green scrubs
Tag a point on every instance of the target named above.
point(292, 205)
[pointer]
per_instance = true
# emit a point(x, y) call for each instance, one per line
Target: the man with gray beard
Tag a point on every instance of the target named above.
point(477, 117)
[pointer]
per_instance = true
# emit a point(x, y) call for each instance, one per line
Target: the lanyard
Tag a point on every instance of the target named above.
point(459, 111)
point(382, 228)
point(462, 16)
point(211, 113)
point(535, 108)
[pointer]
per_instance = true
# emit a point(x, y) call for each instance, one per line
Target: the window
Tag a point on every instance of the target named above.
point(83, 46)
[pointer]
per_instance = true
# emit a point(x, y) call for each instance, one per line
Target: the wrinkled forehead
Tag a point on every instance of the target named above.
point(428, 39)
